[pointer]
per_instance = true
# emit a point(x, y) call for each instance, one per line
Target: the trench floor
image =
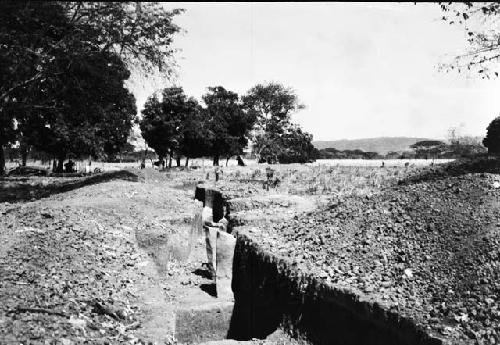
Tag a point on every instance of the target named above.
point(108, 263)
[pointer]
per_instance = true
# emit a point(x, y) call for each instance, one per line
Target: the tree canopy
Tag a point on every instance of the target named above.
point(168, 123)
point(272, 105)
point(228, 123)
point(62, 68)
point(276, 139)
point(492, 139)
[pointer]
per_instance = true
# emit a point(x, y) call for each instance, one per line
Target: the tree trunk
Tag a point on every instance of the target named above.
point(170, 160)
point(241, 163)
point(60, 164)
point(227, 160)
point(178, 160)
point(24, 154)
point(2, 161)
point(187, 162)
point(216, 160)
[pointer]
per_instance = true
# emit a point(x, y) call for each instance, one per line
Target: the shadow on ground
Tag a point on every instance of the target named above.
point(34, 188)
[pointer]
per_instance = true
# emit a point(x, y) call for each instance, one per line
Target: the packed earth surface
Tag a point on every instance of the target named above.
point(107, 259)
point(99, 260)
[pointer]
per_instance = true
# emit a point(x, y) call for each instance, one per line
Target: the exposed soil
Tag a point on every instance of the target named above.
point(428, 249)
point(109, 259)
point(79, 266)
point(106, 259)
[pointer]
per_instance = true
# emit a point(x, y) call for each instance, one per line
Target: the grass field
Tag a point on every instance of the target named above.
point(207, 163)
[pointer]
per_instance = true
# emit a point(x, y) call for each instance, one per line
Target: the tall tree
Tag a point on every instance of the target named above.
point(93, 112)
point(155, 127)
point(229, 125)
point(162, 124)
point(36, 37)
point(272, 105)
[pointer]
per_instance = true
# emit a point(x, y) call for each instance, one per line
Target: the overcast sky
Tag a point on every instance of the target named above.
point(362, 70)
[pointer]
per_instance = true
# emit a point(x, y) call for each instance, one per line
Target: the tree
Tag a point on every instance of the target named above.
point(154, 127)
point(29, 33)
point(196, 135)
point(492, 139)
point(37, 37)
point(95, 112)
point(140, 33)
point(460, 145)
point(297, 146)
point(228, 123)
point(272, 105)
point(428, 148)
point(479, 22)
point(163, 122)
point(7, 136)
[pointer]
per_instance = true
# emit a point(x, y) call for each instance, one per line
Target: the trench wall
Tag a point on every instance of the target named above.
point(271, 293)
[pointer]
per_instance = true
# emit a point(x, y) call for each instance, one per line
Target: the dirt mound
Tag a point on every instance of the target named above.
point(429, 250)
point(14, 189)
point(455, 168)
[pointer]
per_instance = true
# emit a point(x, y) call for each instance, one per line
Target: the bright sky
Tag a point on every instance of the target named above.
point(362, 69)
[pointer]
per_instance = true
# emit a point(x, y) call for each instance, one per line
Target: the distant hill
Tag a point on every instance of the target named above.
point(381, 145)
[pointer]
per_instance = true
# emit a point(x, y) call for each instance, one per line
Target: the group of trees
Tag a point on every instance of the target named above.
point(333, 153)
point(177, 125)
point(456, 147)
point(62, 72)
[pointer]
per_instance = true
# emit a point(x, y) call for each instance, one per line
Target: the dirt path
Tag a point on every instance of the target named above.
point(64, 257)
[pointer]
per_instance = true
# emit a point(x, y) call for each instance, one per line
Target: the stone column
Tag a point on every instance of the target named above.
point(224, 264)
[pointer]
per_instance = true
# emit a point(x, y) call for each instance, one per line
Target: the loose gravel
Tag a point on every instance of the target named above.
point(428, 249)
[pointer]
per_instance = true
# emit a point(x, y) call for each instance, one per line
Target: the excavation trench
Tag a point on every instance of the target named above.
point(256, 293)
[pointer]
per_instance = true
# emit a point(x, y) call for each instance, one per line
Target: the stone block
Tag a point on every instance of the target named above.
point(211, 245)
point(224, 264)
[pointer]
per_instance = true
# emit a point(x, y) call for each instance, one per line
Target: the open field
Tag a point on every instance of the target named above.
point(110, 258)
point(207, 163)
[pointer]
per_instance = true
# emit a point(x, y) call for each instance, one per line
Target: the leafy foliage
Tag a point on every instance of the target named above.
point(428, 148)
point(196, 136)
point(276, 138)
point(228, 123)
point(62, 67)
point(479, 20)
point(92, 112)
point(168, 123)
point(297, 146)
point(272, 105)
point(492, 139)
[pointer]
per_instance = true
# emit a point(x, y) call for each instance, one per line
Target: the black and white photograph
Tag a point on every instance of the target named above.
point(249, 173)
